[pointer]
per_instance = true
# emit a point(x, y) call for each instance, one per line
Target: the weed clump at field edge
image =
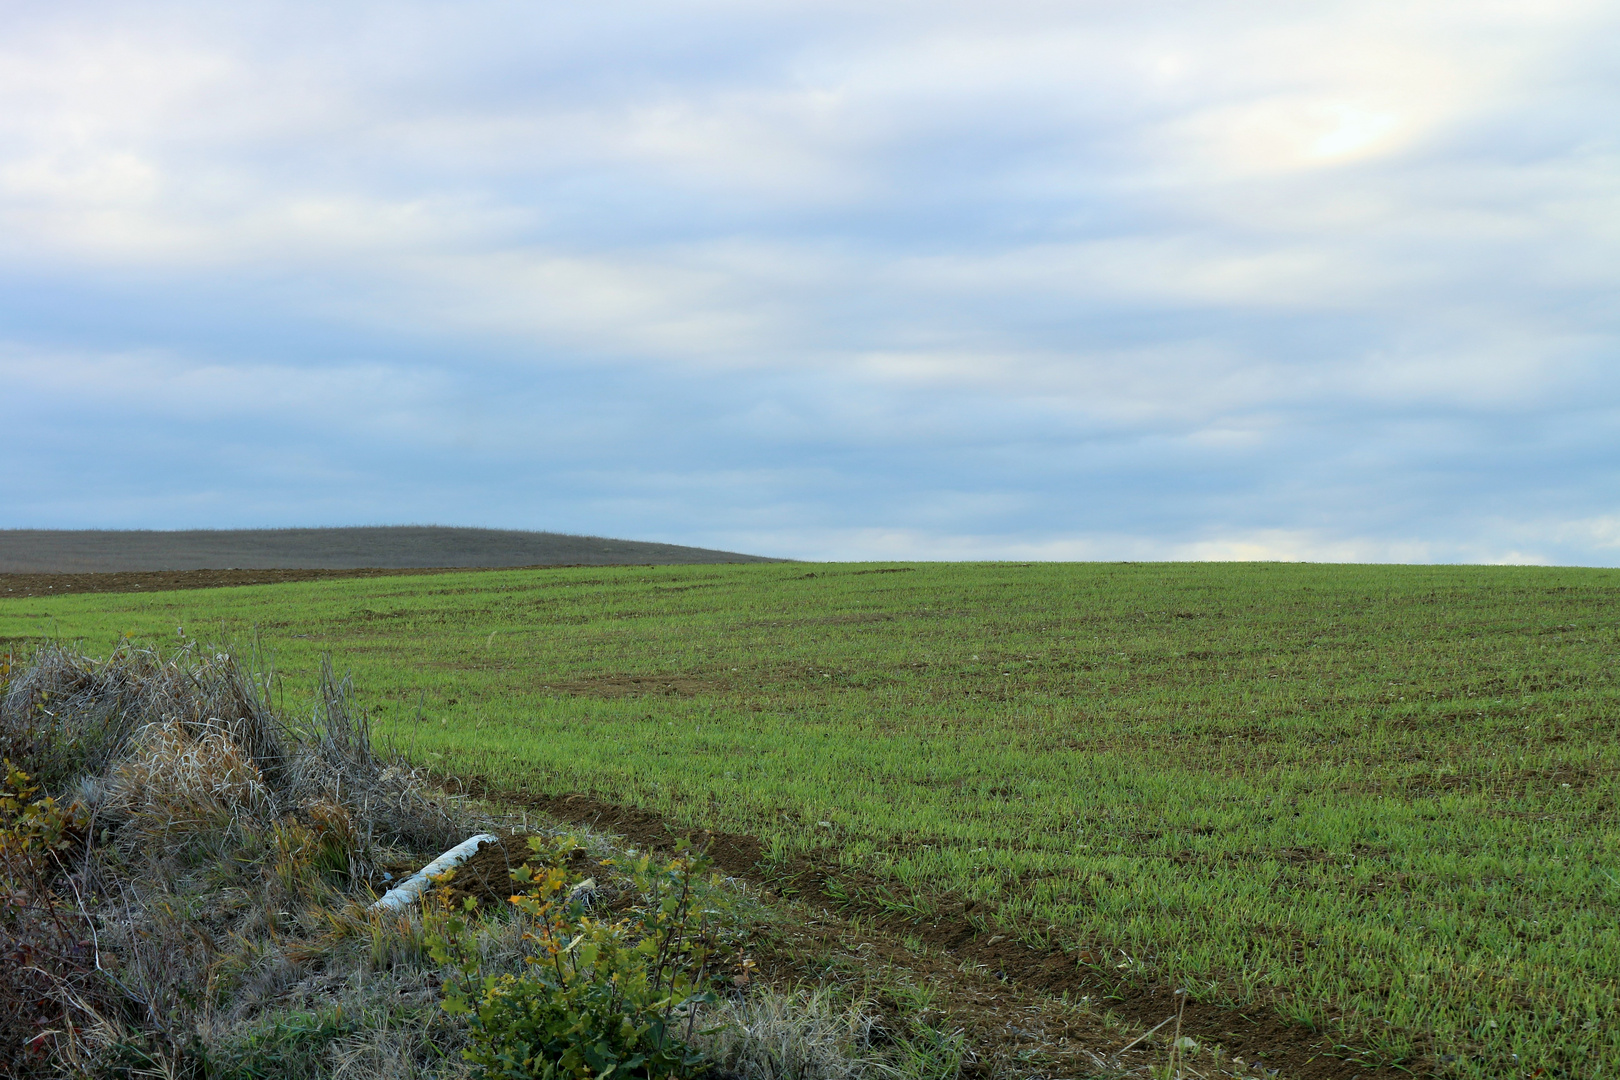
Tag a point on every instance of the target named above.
point(189, 895)
point(185, 887)
point(620, 980)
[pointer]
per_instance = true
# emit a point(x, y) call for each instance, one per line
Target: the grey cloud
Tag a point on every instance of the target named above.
point(1164, 281)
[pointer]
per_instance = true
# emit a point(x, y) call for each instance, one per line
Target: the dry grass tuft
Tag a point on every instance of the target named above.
point(818, 1034)
point(205, 912)
point(771, 1036)
point(179, 779)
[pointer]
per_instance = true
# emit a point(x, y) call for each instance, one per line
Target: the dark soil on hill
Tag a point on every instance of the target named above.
point(393, 547)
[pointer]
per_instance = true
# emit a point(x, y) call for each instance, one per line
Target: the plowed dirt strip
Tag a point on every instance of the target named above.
point(18, 585)
point(1001, 990)
point(21, 585)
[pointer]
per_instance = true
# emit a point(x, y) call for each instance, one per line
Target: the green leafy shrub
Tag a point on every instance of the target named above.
point(600, 997)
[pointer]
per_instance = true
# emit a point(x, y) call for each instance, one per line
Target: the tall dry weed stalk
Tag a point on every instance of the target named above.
point(814, 1036)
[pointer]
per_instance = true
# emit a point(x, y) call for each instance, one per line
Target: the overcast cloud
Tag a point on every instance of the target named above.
point(911, 280)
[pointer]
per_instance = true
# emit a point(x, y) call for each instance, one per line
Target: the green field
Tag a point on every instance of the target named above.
point(1381, 799)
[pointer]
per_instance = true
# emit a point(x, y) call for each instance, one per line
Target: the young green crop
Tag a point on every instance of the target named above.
point(1381, 799)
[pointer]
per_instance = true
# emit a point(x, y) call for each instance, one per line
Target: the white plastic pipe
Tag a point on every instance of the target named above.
point(407, 892)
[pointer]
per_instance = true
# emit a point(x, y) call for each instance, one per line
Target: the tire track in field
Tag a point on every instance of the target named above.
point(1272, 1044)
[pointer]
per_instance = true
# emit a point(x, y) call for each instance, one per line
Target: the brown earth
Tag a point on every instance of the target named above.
point(1012, 998)
point(20, 585)
point(487, 876)
point(618, 686)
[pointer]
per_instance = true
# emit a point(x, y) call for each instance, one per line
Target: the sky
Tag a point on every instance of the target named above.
point(1012, 280)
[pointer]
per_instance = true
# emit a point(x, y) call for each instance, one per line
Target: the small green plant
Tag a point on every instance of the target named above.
point(599, 997)
point(32, 826)
point(48, 970)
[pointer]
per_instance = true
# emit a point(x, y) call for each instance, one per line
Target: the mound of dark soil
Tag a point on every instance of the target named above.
point(487, 876)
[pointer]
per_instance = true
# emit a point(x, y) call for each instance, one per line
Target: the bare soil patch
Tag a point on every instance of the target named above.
point(21, 585)
point(854, 619)
point(621, 686)
point(487, 876)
